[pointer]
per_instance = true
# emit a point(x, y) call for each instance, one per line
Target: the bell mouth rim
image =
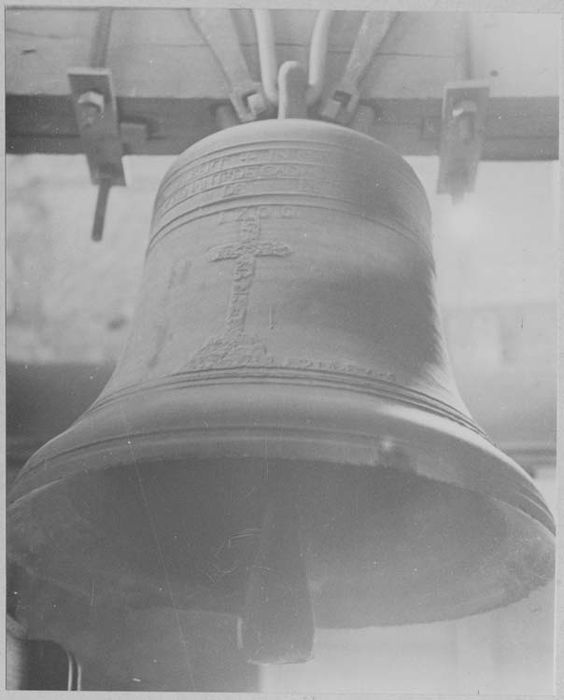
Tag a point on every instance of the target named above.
point(169, 444)
point(440, 449)
point(458, 461)
point(327, 617)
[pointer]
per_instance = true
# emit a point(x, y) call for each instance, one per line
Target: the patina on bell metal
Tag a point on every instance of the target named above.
point(282, 438)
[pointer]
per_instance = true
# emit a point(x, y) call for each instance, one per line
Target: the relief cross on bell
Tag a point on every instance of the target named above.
point(244, 252)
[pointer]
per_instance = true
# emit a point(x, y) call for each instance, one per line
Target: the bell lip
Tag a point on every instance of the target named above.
point(423, 429)
point(448, 451)
point(149, 596)
point(327, 617)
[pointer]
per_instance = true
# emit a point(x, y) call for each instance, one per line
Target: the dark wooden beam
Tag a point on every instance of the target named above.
point(166, 79)
point(517, 128)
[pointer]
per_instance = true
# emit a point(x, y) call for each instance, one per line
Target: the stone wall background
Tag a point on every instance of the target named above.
point(70, 298)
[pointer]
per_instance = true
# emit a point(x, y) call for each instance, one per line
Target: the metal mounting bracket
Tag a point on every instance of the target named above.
point(342, 102)
point(465, 105)
point(218, 29)
point(102, 136)
point(95, 107)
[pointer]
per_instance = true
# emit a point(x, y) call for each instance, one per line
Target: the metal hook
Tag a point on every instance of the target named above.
point(292, 83)
point(317, 55)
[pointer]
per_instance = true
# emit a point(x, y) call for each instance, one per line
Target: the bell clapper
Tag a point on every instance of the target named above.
point(277, 624)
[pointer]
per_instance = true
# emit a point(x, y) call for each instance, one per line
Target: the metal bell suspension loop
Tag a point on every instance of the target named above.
point(317, 54)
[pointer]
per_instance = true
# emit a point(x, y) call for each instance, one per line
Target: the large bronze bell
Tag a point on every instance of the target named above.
point(282, 438)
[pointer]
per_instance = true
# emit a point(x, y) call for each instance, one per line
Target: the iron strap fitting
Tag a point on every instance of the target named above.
point(101, 134)
point(317, 55)
point(342, 102)
point(465, 106)
point(218, 29)
point(96, 116)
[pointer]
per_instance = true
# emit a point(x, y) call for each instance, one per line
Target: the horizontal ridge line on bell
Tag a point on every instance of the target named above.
point(229, 177)
point(305, 182)
point(208, 435)
point(263, 170)
point(291, 153)
point(191, 191)
point(278, 147)
point(361, 452)
point(205, 185)
point(356, 381)
point(204, 212)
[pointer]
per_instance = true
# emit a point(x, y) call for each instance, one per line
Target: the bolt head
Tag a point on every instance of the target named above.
point(91, 105)
point(257, 104)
